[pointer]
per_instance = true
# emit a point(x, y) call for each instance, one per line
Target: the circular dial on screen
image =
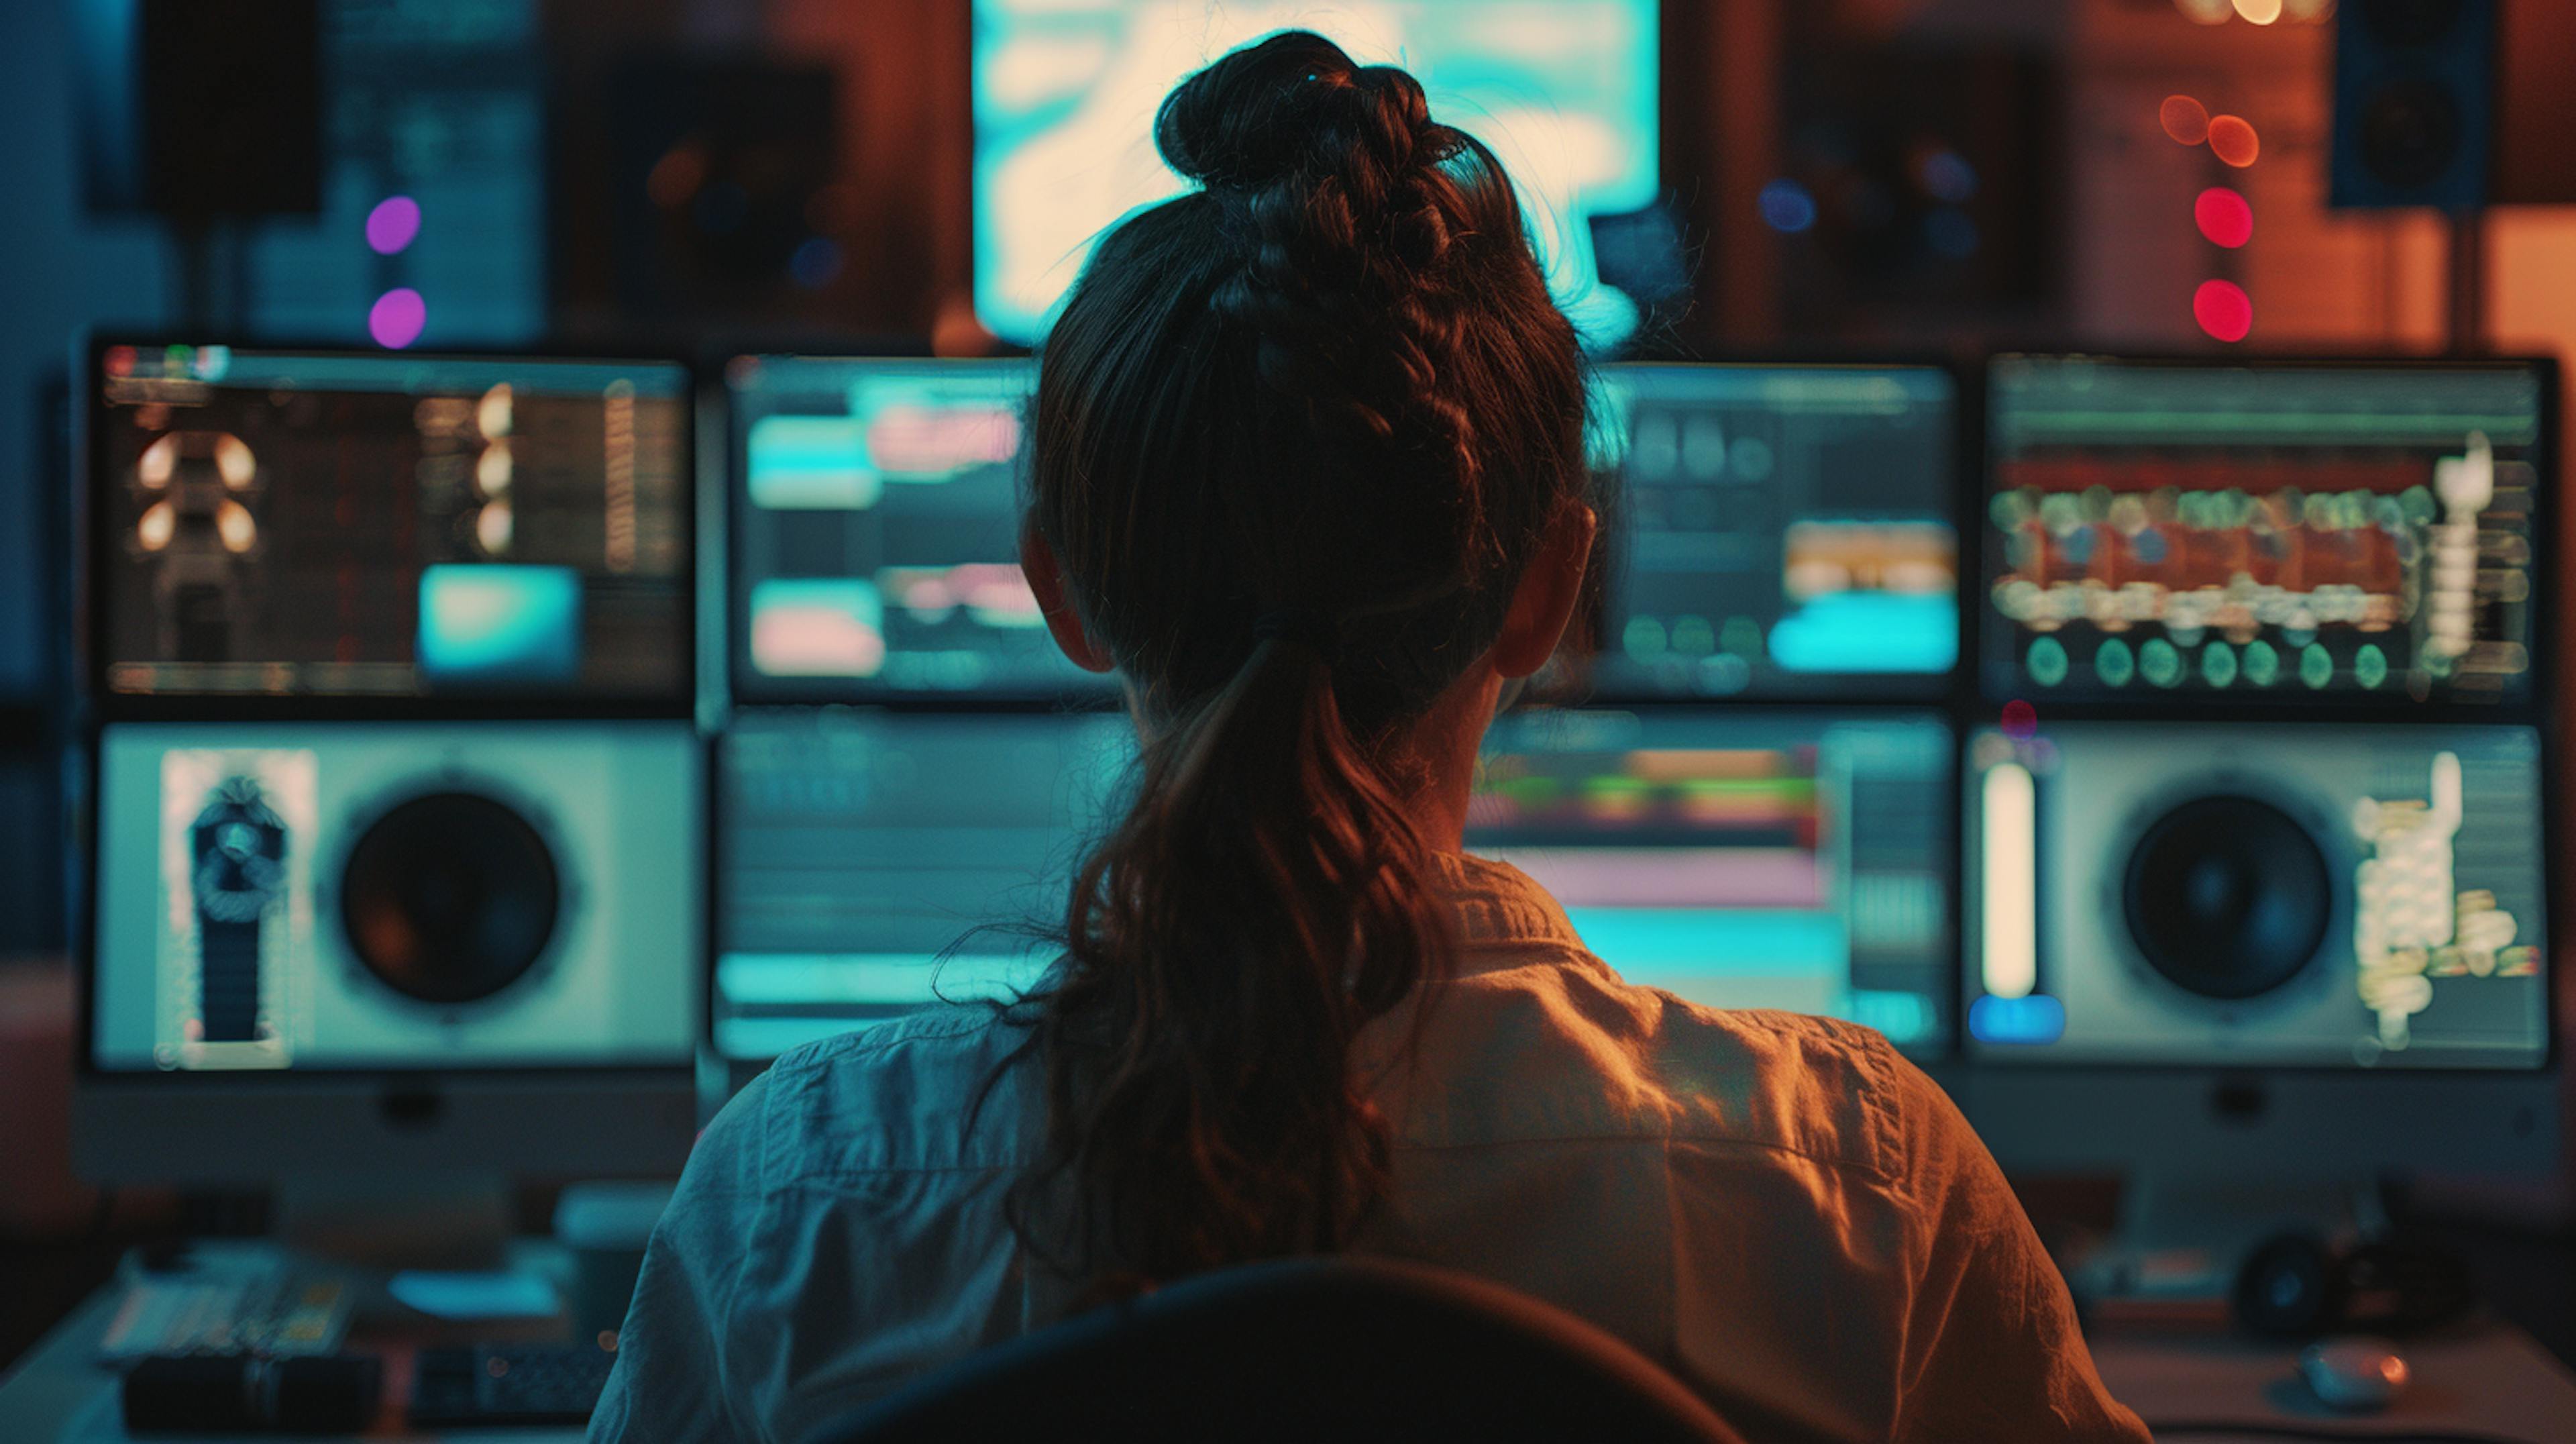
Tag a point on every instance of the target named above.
point(450, 897)
point(2228, 897)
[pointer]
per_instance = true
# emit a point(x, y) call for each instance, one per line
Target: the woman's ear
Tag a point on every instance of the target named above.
point(1064, 623)
point(1549, 588)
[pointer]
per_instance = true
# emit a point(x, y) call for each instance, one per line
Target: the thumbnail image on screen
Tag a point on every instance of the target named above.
point(859, 847)
point(1782, 861)
point(347, 524)
point(876, 535)
point(1780, 531)
point(2261, 532)
point(1065, 92)
point(2258, 893)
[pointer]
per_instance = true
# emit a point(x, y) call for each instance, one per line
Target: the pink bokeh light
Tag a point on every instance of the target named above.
point(397, 318)
point(392, 224)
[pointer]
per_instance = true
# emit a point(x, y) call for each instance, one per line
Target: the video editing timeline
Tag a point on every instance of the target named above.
point(1762, 860)
point(313, 896)
point(878, 549)
point(2287, 532)
point(860, 846)
point(2267, 894)
point(295, 523)
point(1787, 531)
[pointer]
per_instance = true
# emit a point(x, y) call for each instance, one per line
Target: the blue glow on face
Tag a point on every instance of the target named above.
point(1564, 91)
point(2025, 1021)
point(499, 624)
point(1869, 632)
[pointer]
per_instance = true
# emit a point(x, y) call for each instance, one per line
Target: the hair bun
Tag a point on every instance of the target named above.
point(1295, 105)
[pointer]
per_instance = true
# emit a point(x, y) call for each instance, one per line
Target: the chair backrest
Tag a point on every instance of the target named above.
point(1318, 1348)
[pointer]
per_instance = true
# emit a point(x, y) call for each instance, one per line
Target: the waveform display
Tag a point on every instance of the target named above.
point(1779, 531)
point(2293, 532)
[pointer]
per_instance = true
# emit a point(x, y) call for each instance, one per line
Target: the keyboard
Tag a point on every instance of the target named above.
point(516, 1384)
point(265, 1311)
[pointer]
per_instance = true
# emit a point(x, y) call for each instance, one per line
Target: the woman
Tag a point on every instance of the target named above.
point(1308, 477)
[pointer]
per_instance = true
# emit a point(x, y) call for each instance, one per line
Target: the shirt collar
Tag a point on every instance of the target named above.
point(1495, 905)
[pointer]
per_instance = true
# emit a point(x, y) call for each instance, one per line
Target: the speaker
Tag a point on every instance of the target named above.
point(2414, 103)
point(2259, 894)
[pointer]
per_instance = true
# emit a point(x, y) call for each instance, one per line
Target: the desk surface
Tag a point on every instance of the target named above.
point(2488, 1379)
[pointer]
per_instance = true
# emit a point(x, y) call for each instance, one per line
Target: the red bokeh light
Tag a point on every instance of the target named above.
point(2184, 118)
point(2021, 720)
point(2223, 310)
point(2233, 140)
point(2224, 216)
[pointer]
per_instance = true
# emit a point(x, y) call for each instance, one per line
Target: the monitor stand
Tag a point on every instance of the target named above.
point(2183, 1236)
point(397, 1220)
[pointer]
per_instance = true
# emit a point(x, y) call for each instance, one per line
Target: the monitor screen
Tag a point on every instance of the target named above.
point(862, 850)
point(1065, 91)
point(877, 533)
point(357, 897)
point(1780, 531)
point(2274, 894)
point(374, 525)
point(2324, 533)
point(1751, 860)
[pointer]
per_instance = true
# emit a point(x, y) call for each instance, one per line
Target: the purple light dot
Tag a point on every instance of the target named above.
point(392, 224)
point(396, 318)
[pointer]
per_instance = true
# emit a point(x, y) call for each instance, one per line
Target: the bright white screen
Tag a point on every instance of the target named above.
point(1065, 93)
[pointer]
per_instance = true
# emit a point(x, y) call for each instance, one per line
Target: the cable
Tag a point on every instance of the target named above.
point(2267, 1429)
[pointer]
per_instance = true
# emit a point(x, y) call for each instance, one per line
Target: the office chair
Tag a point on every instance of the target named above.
point(1303, 1349)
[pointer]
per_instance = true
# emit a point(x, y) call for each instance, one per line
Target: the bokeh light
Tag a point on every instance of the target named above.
point(395, 321)
point(2021, 720)
point(2223, 310)
point(2224, 216)
point(2233, 140)
point(1786, 206)
point(2259, 12)
point(2205, 12)
point(392, 224)
point(2184, 118)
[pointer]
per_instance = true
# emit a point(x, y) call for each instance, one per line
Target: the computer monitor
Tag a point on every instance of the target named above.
point(875, 861)
point(398, 804)
point(1753, 859)
point(876, 534)
point(2259, 861)
point(2265, 534)
point(1778, 531)
point(1564, 91)
point(397, 529)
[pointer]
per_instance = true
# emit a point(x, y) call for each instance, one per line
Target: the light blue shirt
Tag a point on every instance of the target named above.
point(1779, 1208)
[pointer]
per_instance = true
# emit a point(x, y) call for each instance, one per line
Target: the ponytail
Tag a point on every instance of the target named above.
point(1296, 432)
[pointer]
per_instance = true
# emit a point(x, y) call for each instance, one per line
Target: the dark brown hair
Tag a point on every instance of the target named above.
point(1296, 434)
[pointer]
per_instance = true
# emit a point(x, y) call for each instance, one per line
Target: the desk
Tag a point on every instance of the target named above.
point(2488, 1378)
point(60, 1392)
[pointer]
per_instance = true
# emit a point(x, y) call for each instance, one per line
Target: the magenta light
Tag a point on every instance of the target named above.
point(396, 318)
point(392, 224)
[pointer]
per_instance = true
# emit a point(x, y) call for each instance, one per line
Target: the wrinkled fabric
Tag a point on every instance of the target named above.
point(1778, 1208)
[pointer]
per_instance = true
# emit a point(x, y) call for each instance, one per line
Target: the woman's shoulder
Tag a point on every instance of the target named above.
point(931, 1090)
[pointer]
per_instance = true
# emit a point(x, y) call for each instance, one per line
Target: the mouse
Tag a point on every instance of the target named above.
point(2358, 1375)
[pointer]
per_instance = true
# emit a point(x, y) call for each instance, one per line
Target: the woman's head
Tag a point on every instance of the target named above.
point(1307, 471)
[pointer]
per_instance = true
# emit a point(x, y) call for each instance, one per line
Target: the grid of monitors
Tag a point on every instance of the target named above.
point(1564, 91)
point(1770, 859)
point(2253, 535)
point(1778, 531)
point(370, 525)
point(876, 533)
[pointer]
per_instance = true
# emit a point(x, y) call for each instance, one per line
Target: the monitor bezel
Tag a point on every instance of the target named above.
point(92, 543)
point(2536, 707)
